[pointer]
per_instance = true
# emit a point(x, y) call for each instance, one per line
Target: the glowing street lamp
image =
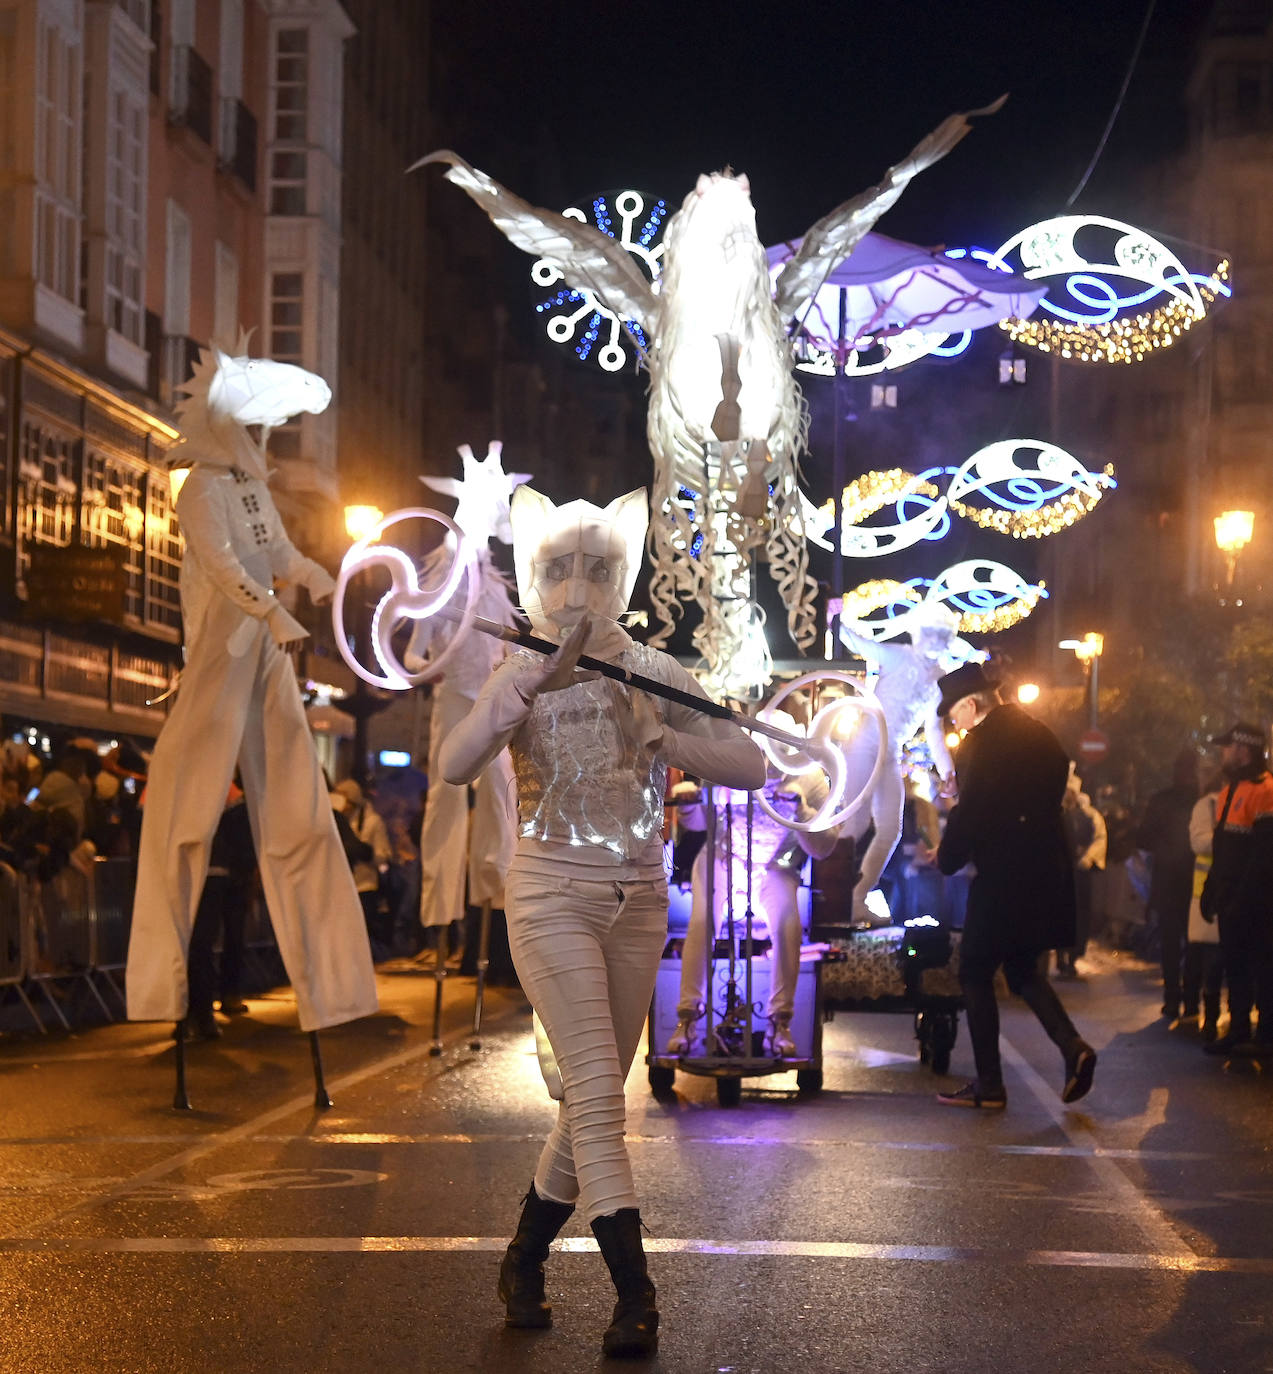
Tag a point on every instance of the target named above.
point(1028, 693)
point(1088, 651)
point(1233, 533)
point(361, 520)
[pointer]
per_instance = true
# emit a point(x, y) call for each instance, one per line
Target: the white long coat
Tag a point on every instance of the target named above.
point(239, 703)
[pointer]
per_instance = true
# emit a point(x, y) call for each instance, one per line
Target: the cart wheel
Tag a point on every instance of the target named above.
point(809, 1081)
point(662, 1080)
point(923, 1032)
point(729, 1091)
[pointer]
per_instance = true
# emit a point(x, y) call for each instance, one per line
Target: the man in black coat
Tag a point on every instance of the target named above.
point(1011, 773)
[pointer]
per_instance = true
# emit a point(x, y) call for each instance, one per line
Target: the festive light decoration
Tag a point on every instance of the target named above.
point(1034, 489)
point(1090, 315)
point(987, 596)
point(578, 315)
point(725, 419)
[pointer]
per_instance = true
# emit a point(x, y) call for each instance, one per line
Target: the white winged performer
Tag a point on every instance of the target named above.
point(726, 421)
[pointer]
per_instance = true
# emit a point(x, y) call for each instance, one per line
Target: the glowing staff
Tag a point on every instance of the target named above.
point(825, 727)
point(406, 599)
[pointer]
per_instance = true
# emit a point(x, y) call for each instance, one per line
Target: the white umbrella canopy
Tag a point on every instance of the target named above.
point(889, 303)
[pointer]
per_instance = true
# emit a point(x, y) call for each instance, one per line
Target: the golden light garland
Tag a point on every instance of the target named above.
point(874, 490)
point(881, 592)
point(1129, 340)
point(1035, 524)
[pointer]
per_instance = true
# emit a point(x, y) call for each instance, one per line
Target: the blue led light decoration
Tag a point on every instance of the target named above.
point(1116, 294)
point(1024, 488)
point(577, 319)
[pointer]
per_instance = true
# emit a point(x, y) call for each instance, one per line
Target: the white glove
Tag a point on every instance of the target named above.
point(638, 720)
point(284, 627)
point(558, 671)
point(320, 585)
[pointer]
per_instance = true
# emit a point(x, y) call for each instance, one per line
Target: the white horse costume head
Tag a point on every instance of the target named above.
point(227, 394)
point(577, 559)
point(482, 495)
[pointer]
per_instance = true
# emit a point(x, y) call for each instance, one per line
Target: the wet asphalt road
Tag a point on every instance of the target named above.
point(866, 1229)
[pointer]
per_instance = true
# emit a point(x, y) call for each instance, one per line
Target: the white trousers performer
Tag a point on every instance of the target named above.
point(245, 709)
point(458, 842)
point(587, 952)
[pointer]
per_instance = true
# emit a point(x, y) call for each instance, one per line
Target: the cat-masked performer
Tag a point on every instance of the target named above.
point(586, 895)
point(239, 702)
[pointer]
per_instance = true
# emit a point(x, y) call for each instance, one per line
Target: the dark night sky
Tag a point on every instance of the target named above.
point(814, 101)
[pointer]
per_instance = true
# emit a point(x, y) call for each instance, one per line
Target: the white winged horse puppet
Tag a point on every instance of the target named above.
point(726, 422)
point(456, 841)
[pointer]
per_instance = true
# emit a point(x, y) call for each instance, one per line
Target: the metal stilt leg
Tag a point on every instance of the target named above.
point(321, 1100)
point(180, 1099)
point(439, 974)
point(483, 962)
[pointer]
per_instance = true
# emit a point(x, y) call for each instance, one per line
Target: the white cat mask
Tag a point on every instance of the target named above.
point(577, 559)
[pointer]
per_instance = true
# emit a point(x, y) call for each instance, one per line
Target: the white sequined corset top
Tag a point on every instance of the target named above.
point(580, 781)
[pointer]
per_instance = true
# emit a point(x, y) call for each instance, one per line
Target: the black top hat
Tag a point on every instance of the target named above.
point(1243, 732)
point(963, 682)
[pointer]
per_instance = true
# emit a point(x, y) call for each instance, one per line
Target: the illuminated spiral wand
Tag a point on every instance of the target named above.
point(406, 599)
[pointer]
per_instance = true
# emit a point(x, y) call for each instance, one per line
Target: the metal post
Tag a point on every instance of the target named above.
point(709, 844)
point(439, 975)
point(483, 961)
point(321, 1100)
point(180, 1100)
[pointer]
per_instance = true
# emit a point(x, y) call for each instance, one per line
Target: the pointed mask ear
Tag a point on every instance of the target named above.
point(530, 514)
point(448, 486)
point(630, 515)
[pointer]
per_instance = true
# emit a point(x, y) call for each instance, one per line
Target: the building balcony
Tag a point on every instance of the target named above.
point(238, 142)
point(191, 104)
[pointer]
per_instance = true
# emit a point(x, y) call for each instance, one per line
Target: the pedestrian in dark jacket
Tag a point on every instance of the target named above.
point(1011, 772)
point(1239, 889)
point(1164, 834)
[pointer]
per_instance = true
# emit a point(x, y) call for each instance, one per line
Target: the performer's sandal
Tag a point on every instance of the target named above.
point(973, 1095)
point(521, 1274)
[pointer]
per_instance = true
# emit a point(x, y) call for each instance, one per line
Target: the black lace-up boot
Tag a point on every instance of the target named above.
point(521, 1275)
point(633, 1333)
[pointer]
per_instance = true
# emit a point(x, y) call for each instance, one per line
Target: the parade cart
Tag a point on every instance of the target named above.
point(913, 967)
point(733, 1045)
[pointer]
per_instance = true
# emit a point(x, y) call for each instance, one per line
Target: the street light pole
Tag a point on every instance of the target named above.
point(1088, 651)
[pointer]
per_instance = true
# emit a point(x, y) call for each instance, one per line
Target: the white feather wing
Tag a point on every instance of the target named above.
point(836, 235)
point(587, 259)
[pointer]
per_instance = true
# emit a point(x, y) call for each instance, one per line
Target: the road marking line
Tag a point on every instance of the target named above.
point(301, 1103)
point(576, 1245)
point(1153, 1222)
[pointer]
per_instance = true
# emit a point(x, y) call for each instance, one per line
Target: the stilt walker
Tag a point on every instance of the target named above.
point(462, 844)
point(239, 703)
point(586, 892)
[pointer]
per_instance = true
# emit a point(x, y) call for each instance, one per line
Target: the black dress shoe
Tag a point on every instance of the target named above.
point(233, 1006)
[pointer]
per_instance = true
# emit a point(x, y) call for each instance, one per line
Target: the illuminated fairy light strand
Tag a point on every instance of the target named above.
point(1129, 339)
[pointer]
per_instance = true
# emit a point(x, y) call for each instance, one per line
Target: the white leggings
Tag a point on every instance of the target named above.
point(587, 951)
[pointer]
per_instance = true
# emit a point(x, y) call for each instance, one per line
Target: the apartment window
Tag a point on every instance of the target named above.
point(287, 304)
point(231, 70)
point(57, 162)
point(291, 85)
point(177, 272)
point(287, 183)
point(125, 212)
point(225, 325)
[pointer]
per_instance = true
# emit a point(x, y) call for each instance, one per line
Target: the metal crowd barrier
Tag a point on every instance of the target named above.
point(64, 942)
